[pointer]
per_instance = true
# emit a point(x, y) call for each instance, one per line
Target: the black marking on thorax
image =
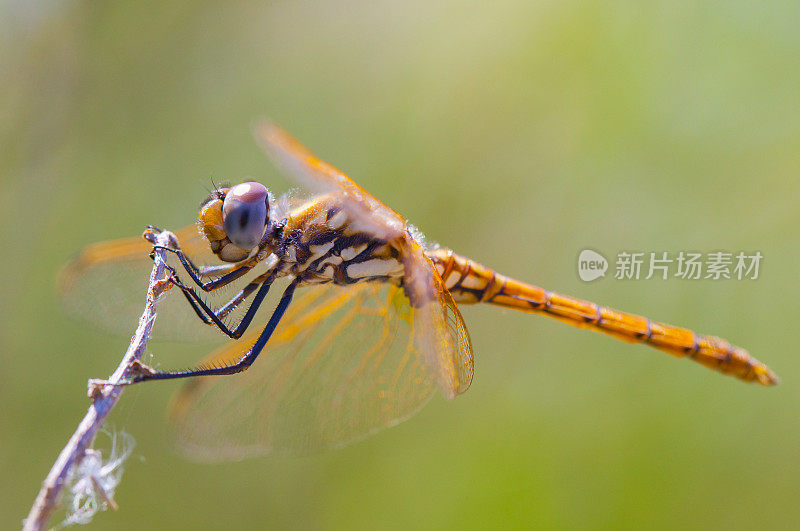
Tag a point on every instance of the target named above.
point(304, 253)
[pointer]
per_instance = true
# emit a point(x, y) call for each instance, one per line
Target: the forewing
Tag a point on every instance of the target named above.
point(341, 365)
point(320, 177)
point(107, 286)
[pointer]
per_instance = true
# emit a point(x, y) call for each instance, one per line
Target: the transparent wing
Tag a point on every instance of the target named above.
point(441, 336)
point(106, 285)
point(341, 365)
point(320, 177)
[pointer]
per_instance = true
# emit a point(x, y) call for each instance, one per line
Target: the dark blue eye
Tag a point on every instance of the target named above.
point(244, 214)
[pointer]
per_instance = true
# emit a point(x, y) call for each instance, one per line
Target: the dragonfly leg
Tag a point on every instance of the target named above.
point(244, 363)
point(233, 271)
point(223, 310)
point(209, 316)
point(174, 245)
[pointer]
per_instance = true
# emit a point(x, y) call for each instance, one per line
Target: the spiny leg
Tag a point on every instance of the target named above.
point(209, 316)
point(244, 363)
point(203, 271)
point(233, 271)
point(223, 310)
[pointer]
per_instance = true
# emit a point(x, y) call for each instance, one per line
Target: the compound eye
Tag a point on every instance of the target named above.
point(244, 214)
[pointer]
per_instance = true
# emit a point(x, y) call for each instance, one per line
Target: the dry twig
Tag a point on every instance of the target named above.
point(104, 394)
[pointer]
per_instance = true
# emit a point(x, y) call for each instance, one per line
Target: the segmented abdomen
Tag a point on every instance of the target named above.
point(470, 282)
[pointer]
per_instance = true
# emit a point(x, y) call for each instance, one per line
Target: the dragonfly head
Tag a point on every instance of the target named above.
point(235, 219)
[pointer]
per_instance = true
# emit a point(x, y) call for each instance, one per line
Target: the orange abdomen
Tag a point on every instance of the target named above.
point(470, 282)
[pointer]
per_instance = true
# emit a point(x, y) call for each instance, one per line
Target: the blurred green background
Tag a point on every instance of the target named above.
point(517, 133)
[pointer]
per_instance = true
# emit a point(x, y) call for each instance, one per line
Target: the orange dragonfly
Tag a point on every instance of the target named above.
point(366, 327)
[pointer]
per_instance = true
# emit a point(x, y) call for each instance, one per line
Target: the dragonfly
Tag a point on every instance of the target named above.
point(363, 331)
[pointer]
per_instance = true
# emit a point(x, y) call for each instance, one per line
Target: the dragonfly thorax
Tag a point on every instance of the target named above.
point(322, 244)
